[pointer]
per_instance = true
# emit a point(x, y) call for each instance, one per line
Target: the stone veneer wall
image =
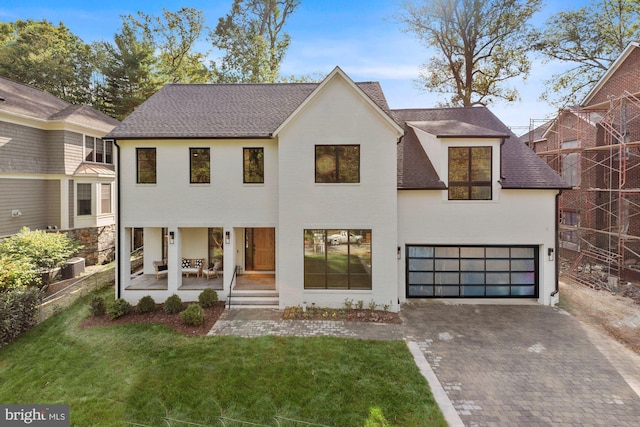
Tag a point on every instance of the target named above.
point(98, 243)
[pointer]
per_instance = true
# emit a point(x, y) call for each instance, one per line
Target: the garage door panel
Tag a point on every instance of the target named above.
point(472, 271)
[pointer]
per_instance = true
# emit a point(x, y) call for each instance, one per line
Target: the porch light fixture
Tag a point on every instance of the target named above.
point(227, 237)
point(171, 237)
point(550, 254)
point(399, 252)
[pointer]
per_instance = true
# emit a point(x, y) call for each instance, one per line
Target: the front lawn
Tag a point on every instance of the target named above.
point(151, 375)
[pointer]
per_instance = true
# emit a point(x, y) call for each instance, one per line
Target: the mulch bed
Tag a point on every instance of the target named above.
point(159, 317)
point(211, 315)
point(351, 315)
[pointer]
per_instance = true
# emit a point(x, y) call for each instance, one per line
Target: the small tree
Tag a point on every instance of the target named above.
point(40, 249)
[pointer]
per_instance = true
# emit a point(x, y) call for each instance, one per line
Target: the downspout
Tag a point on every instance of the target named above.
point(118, 237)
point(557, 245)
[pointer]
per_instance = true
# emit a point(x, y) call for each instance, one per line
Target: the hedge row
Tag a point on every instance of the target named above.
point(18, 312)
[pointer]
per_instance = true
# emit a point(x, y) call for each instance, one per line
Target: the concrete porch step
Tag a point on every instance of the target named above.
point(254, 299)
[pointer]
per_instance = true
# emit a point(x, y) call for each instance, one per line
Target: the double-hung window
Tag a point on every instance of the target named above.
point(84, 199)
point(146, 165)
point(470, 173)
point(200, 165)
point(97, 150)
point(105, 198)
point(337, 163)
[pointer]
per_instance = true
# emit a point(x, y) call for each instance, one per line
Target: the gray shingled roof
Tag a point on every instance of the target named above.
point(521, 168)
point(222, 110)
point(38, 104)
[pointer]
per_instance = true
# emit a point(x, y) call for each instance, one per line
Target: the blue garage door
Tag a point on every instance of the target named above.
point(472, 271)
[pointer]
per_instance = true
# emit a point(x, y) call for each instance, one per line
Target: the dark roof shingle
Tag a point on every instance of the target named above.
point(521, 167)
point(222, 110)
point(38, 104)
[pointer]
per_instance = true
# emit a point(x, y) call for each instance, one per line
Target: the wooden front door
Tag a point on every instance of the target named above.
point(264, 249)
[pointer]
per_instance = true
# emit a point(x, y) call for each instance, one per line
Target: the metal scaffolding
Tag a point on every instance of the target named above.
point(597, 150)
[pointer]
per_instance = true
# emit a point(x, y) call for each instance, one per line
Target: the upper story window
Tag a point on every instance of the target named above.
point(571, 164)
point(337, 163)
point(97, 150)
point(470, 173)
point(146, 165)
point(200, 165)
point(253, 165)
point(83, 199)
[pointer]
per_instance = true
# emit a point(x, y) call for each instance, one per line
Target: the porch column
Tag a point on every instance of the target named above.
point(229, 257)
point(64, 203)
point(123, 267)
point(174, 260)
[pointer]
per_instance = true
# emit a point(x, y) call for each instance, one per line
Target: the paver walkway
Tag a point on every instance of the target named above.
point(500, 365)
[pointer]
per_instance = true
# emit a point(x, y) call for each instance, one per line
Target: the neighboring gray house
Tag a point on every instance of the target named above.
point(56, 172)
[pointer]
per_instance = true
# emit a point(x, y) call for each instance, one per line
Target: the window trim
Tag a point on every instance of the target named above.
point(336, 166)
point(470, 183)
point(155, 165)
point(244, 165)
point(191, 159)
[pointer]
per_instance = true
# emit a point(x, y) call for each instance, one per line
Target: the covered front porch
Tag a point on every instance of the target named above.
point(243, 282)
point(182, 260)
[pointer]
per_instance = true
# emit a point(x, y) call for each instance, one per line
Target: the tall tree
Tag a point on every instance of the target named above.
point(128, 68)
point(48, 57)
point(480, 46)
point(589, 39)
point(174, 36)
point(252, 39)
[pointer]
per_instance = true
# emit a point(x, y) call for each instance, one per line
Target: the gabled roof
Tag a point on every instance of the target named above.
point(223, 110)
point(539, 133)
point(521, 168)
point(612, 69)
point(27, 101)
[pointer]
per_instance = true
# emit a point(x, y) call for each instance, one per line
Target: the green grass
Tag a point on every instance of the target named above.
point(142, 374)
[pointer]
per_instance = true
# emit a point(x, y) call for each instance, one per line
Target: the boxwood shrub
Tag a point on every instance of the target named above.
point(208, 298)
point(173, 304)
point(193, 315)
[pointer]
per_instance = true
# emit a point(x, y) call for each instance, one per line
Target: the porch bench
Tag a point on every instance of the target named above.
point(192, 266)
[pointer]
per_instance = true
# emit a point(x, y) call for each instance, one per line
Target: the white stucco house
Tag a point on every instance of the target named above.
point(318, 192)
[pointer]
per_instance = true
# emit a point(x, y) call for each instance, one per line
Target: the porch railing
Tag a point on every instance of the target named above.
point(233, 278)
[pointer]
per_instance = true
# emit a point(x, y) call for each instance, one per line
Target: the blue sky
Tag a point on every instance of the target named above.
point(360, 36)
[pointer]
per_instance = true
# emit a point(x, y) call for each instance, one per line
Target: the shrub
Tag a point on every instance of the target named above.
point(17, 272)
point(208, 298)
point(193, 315)
point(118, 308)
point(145, 305)
point(18, 311)
point(42, 249)
point(173, 305)
point(98, 306)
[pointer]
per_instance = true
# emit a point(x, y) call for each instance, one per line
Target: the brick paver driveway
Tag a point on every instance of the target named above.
point(525, 365)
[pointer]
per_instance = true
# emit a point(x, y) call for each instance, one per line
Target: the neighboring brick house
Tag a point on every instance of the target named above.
point(56, 172)
point(596, 148)
point(319, 193)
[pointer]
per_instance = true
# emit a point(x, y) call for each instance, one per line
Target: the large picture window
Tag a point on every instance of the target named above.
point(84, 199)
point(337, 163)
point(253, 165)
point(469, 173)
point(337, 259)
point(200, 165)
point(146, 165)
